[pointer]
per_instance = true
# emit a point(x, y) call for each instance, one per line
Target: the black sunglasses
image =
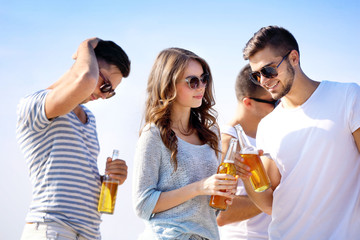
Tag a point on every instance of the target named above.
point(274, 102)
point(106, 87)
point(267, 71)
point(194, 82)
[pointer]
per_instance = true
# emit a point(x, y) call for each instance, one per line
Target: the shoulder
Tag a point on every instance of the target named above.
point(340, 86)
point(149, 142)
point(150, 133)
point(34, 102)
point(150, 129)
point(31, 111)
point(340, 91)
point(34, 97)
point(228, 130)
point(215, 129)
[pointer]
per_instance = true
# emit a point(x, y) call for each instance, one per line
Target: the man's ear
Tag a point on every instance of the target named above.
point(294, 58)
point(247, 102)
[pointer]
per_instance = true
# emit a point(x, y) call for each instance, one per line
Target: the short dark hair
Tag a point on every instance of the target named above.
point(244, 87)
point(112, 53)
point(277, 38)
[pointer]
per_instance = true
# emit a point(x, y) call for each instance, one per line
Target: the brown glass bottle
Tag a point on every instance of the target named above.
point(108, 191)
point(259, 178)
point(228, 167)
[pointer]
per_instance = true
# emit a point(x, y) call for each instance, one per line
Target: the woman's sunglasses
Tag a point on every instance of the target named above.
point(267, 71)
point(106, 87)
point(194, 82)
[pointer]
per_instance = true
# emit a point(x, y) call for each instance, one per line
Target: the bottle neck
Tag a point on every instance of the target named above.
point(242, 140)
point(230, 154)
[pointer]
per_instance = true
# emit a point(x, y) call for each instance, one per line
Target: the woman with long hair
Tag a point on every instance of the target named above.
point(178, 151)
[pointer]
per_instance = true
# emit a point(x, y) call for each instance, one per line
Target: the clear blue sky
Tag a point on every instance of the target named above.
point(39, 37)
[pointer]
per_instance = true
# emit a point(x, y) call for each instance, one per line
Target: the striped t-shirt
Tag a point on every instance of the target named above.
point(61, 155)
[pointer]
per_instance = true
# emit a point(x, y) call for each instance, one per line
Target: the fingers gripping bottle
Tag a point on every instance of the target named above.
point(108, 191)
point(228, 167)
point(259, 178)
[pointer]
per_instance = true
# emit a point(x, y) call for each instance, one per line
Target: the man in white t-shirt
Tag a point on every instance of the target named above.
point(242, 219)
point(313, 137)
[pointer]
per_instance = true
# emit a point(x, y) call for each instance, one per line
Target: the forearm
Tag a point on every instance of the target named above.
point(263, 200)
point(241, 209)
point(176, 197)
point(75, 85)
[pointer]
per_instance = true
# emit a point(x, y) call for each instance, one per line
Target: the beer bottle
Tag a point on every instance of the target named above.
point(228, 167)
point(259, 178)
point(108, 191)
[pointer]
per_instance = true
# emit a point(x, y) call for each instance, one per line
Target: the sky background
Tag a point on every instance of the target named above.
point(38, 39)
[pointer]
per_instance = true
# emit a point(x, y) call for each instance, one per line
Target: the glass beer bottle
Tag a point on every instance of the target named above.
point(108, 191)
point(228, 167)
point(259, 178)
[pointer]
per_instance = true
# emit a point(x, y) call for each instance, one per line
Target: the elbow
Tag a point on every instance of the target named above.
point(87, 78)
point(86, 83)
point(145, 205)
point(268, 212)
point(221, 221)
point(139, 211)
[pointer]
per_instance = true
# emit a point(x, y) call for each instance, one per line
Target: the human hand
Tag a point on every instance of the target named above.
point(90, 41)
point(219, 184)
point(117, 169)
point(242, 170)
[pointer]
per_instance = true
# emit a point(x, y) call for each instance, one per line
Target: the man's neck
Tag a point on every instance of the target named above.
point(300, 92)
point(80, 113)
point(247, 122)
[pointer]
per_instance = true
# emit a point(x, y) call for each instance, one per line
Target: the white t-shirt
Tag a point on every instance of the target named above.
point(314, 149)
point(251, 229)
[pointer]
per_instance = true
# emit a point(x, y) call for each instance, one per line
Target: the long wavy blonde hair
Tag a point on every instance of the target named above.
point(167, 70)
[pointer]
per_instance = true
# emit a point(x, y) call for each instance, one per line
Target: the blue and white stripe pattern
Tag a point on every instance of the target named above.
point(61, 156)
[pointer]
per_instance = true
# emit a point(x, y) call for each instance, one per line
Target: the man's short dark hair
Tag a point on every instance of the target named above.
point(277, 38)
point(112, 53)
point(244, 87)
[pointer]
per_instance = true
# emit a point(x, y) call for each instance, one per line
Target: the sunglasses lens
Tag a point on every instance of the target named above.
point(255, 77)
point(205, 78)
point(111, 94)
point(269, 72)
point(194, 82)
point(105, 88)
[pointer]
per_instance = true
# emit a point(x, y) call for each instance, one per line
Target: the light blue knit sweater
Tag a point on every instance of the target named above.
point(154, 174)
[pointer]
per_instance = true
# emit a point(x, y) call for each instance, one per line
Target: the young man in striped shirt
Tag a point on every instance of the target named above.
point(58, 137)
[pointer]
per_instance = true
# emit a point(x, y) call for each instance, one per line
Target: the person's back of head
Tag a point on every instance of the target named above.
point(244, 87)
point(280, 40)
point(113, 54)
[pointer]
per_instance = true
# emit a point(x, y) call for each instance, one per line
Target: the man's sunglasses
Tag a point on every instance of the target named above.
point(106, 87)
point(267, 71)
point(194, 82)
point(274, 102)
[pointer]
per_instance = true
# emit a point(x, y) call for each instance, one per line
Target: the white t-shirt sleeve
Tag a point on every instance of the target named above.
point(353, 108)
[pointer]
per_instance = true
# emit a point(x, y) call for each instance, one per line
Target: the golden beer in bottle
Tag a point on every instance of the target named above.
point(108, 191)
point(228, 167)
point(259, 178)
